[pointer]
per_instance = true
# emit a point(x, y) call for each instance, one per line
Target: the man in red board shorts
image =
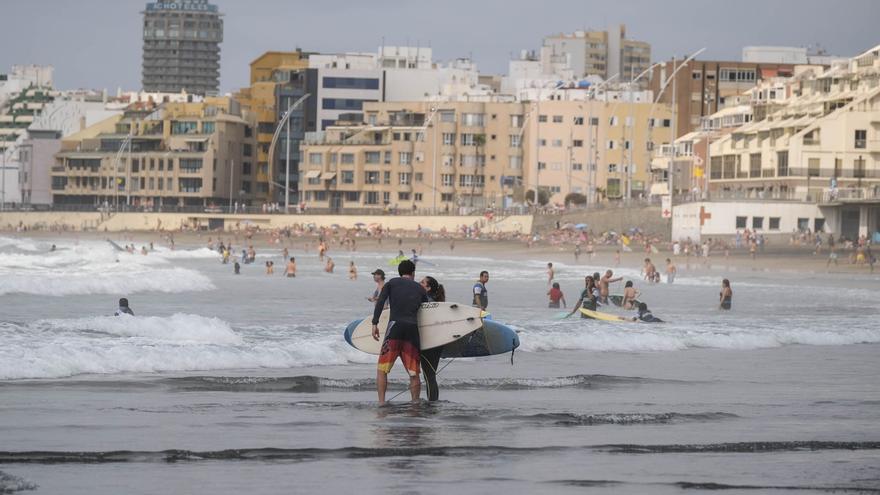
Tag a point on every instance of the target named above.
point(405, 296)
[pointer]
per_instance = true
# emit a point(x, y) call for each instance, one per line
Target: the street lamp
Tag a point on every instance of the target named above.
point(284, 120)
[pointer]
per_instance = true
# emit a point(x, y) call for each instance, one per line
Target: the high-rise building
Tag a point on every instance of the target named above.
point(182, 47)
point(602, 53)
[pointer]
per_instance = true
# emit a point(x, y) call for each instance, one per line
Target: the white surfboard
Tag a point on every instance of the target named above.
point(439, 324)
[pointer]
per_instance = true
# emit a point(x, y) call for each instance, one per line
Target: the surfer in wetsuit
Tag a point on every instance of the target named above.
point(645, 315)
point(726, 294)
point(481, 294)
point(123, 307)
point(431, 357)
point(405, 296)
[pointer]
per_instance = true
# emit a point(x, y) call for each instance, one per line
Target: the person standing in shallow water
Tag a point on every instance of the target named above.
point(123, 307)
point(481, 294)
point(726, 295)
point(430, 358)
point(405, 296)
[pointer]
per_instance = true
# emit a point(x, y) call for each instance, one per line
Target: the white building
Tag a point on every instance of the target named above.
point(395, 73)
point(787, 55)
point(818, 144)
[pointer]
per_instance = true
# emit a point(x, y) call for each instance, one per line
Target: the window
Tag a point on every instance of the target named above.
point(782, 163)
point(446, 197)
point(351, 83)
point(754, 165)
point(859, 168)
point(612, 167)
point(343, 104)
point(468, 140)
point(557, 119)
point(419, 177)
point(757, 222)
point(371, 177)
point(542, 165)
point(578, 143)
point(612, 189)
point(613, 121)
point(315, 158)
point(346, 158)
point(818, 225)
point(387, 160)
point(741, 222)
point(515, 141)
point(577, 166)
point(404, 157)
point(447, 116)
point(190, 165)
point(813, 167)
point(372, 157)
point(578, 121)
point(347, 177)
point(611, 144)
point(472, 119)
point(417, 197)
point(447, 180)
point(515, 162)
point(386, 197)
point(557, 143)
point(861, 138)
point(516, 121)
point(184, 127)
point(594, 121)
point(472, 160)
point(403, 196)
point(372, 198)
point(404, 178)
point(448, 138)
point(542, 142)
point(190, 185)
point(208, 128)
point(774, 223)
point(542, 118)
point(352, 196)
point(386, 177)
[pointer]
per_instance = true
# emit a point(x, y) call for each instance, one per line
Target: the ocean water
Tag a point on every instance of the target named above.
point(243, 384)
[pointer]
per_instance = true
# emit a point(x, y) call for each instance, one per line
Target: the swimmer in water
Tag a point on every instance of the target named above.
point(671, 271)
point(726, 295)
point(645, 315)
point(551, 273)
point(124, 308)
point(290, 271)
point(603, 285)
point(629, 295)
point(352, 271)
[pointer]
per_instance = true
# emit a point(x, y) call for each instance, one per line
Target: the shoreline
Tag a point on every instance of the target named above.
point(773, 259)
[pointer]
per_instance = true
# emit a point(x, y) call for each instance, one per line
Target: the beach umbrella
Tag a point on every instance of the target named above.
point(334, 226)
point(360, 225)
point(568, 226)
point(581, 226)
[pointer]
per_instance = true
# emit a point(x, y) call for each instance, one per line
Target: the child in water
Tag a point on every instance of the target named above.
point(556, 296)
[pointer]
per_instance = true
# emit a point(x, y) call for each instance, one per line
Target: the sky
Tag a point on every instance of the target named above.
point(97, 43)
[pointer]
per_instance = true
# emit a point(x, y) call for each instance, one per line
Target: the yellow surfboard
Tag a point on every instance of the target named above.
point(598, 315)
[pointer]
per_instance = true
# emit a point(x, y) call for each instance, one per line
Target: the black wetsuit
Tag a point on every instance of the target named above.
point(430, 363)
point(647, 317)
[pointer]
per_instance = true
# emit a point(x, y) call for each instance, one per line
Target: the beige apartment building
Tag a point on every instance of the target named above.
point(601, 150)
point(447, 155)
point(168, 155)
point(424, 156)
point(821, 144)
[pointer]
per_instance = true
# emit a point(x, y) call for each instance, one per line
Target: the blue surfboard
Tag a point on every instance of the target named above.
point(494, 338)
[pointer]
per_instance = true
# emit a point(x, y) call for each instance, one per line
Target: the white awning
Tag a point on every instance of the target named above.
point(328, 175)
point(313, 174)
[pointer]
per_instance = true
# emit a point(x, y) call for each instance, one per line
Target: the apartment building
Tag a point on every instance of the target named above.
point(820, 144)
point(598, 149)
point(422, 156)
point(602, 53)
point(174, 154)
point(703, 87)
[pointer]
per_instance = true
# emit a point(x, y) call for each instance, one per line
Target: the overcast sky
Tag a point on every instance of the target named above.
point(97, 43)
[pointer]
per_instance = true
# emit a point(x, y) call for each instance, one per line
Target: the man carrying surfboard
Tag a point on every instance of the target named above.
point(405, 296)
